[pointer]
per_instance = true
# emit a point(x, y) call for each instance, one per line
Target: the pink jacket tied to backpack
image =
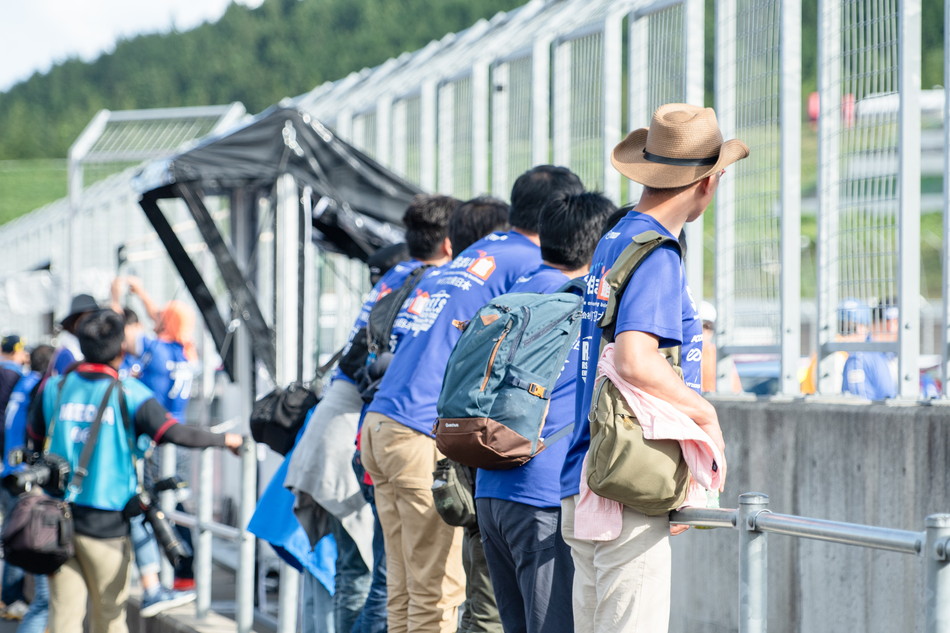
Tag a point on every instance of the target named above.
point(600, 519)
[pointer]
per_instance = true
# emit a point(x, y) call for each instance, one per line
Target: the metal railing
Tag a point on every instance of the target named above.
point(755, 521)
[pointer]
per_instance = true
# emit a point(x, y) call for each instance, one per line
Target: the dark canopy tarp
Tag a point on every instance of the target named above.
point(357, 203)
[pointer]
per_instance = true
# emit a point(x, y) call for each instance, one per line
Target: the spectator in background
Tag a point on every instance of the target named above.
point(165, 363)
point(865, 374)
point(710, 361)
point(320, 472)
point(519, 510)
point(100, 567)
point(476, 218)
point(424, 566)
point(34, 617)
point(12, 359)
point(68, 352)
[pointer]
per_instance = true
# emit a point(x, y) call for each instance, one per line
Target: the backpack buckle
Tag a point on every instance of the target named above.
point(536, 390)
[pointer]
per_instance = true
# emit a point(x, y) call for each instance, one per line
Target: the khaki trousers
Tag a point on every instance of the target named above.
point(425, 579)
point(97, 574)
point(624, 584)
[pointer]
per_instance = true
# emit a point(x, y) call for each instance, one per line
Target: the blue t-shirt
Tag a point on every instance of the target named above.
point(425, 332)
point(165, 370)
point(537, 483)
point(394, 278)
point(16, 419)
point(868, 374)
point(656, 301)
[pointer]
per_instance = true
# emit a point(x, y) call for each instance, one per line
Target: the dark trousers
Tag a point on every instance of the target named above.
point(530, 566)
point(373, 616)
point(351, 582)
point(481, 613)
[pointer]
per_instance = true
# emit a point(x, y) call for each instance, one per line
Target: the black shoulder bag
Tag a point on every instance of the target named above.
point(38, 535)
point(277, 417)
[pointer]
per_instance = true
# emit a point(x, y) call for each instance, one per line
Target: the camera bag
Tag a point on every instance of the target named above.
point(37, 536)
point(277, 417)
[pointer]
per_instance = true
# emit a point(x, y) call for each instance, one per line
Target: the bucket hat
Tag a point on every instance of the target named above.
point(682, 145)
point(81, 304)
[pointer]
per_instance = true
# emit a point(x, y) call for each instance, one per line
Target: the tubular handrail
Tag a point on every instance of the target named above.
point(754, 521)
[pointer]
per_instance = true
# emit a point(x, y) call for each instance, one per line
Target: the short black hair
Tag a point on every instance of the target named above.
point(385, 258)
point(571, 226)
point(40, 358)
point(474, 219)
point(616, 216)
point(534, 188)
point(427, 222)
point(100, 336)
point(131, 318)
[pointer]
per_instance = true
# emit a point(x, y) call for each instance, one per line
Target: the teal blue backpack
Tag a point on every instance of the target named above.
point(500, 375)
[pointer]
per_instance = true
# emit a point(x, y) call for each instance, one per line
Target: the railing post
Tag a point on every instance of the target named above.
point(753, 565)
point(937, 573)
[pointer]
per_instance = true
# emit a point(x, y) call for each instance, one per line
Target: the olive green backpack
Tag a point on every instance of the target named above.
point(649, 476)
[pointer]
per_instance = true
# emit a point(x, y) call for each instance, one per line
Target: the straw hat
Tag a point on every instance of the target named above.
point(682, 145)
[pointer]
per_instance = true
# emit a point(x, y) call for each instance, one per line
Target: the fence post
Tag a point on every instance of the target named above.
point(937, 573)
point(753, 565)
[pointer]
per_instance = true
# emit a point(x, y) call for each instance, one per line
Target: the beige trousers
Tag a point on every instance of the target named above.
point(621, 585)
point(97, 574)
point(425, 579)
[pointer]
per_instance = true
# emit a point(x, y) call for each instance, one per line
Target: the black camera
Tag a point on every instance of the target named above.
point(164, 531)
point(50, 472)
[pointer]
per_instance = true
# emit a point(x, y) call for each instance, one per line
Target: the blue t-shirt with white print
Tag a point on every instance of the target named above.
point(425, 331)
point(393, 279)
point(537, 483)
point(656, 301)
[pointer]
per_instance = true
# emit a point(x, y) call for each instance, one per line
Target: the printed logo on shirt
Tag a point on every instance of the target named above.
point(612, 235)
point(418, 303)
point(856, 376)
point(483, 267)
point(694, 355)
point(603, 288)
point(430, 312)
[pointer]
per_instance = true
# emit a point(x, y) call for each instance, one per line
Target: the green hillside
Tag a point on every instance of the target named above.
point(29, 184)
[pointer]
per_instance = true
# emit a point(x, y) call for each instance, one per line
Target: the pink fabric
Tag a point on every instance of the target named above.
point(599, 519)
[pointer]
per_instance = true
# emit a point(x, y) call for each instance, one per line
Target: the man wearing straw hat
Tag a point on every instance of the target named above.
point(621, 557)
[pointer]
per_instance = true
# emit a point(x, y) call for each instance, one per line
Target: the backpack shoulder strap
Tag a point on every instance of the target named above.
point(574, 286)
point(375, 340)
point(618, 277)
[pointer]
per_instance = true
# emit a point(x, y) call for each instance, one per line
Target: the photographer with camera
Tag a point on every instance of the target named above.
point(107, 498)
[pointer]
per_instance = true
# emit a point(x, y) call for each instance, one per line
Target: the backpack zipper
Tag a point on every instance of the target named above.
point(494, 353)
point(550, 326)
point(521, 331)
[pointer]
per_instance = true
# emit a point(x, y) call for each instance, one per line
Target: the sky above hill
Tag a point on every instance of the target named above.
point(36, 34)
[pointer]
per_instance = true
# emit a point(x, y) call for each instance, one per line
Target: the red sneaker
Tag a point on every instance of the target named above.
point(184, 584)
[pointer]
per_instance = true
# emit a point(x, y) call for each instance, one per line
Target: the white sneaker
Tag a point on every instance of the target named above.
point(15, 611)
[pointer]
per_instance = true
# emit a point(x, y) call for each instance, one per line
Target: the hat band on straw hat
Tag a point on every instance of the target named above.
point(680, 162)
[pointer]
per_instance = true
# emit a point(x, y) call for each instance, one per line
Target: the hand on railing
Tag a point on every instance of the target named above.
point(234, 442)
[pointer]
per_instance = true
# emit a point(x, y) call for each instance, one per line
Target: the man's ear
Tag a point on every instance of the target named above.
point(447, 247)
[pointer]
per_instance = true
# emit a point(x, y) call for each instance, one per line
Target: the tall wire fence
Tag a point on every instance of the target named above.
point(563, 81)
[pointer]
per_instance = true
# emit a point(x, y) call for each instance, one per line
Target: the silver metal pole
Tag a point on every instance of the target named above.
point(205, 541)
point(243, 222)
point(725, 197)
point(480, 127)
point(753, 565)
point(829, 126)
point(500, 114)
point(446, 139)
point(937, 574)
point(428, 109)
point(540, 100)
point(287, 266)
point(908, 288)
point(613, 99)
point(694, 12)
point(791, 198)
point(167, 468)
point(945, 315)
point(562, 103)
point(384, 108)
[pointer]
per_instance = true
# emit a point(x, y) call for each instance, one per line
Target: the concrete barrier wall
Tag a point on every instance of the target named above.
point(882, 465)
